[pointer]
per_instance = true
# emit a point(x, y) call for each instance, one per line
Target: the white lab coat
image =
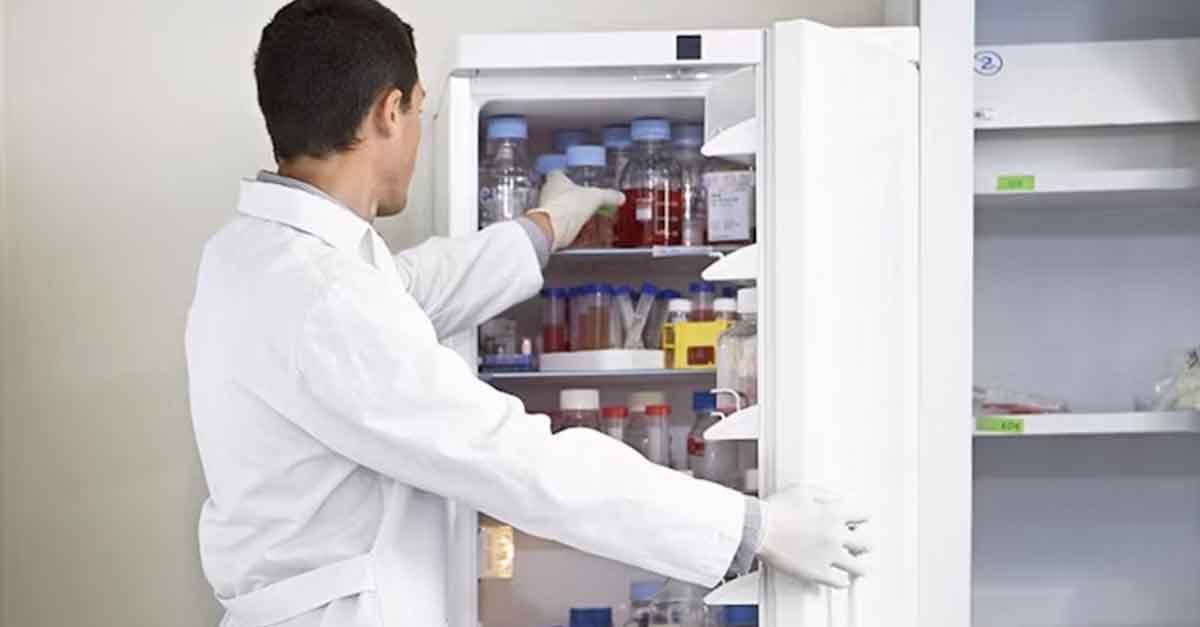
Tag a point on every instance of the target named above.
point(333, 426)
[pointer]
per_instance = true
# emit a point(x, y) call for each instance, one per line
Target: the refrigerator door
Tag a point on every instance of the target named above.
point(838, 301)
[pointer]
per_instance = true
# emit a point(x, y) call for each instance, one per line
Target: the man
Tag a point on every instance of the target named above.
point(333, 426)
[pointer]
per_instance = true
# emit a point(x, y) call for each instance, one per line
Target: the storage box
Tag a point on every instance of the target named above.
point(692, 345)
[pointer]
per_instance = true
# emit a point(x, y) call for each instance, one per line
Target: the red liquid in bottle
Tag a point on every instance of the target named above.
point(650, 217)
point(556, 338)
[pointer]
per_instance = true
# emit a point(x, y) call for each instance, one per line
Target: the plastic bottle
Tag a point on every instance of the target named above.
point(579, 408)
point(556, 329)
point(725, 309)
point(613, 419)
point(651, 214)
point(737, 355)
point(687, 139)
point(565, 138)
point(622, 314)
point(678, 311)
point(591, 307)
point(658, 317)
point(505, 188)
point(702, 294)
point(586, 168)
point(729, 191)
point(714, 461)
point(656, 445)
point(618, 146)
point(636, 431)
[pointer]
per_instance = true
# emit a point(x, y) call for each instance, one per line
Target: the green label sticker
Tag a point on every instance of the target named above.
point(1015, 183)
point(1000, 424)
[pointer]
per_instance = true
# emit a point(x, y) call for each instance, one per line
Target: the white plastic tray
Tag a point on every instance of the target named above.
point(603, 360)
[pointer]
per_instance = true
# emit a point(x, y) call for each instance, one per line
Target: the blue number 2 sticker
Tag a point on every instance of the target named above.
point(988, 63)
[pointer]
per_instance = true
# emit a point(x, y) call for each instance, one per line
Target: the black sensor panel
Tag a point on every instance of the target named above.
point(687, 48)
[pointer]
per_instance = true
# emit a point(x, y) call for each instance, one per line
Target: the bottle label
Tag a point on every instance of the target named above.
point(730, 205)
point(695, 445)
point(645, 209)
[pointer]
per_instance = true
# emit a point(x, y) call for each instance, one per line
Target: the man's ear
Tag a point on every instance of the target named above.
point(387, 112)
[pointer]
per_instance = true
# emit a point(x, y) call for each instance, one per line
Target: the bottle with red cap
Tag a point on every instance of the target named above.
point(613, 419)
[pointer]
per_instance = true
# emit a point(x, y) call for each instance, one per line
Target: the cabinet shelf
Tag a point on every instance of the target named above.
point(1177, 188)
point(689, 259)
point(506, 379)
point(1131, 423)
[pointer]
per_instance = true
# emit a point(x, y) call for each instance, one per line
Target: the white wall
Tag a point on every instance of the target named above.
point(129, 123)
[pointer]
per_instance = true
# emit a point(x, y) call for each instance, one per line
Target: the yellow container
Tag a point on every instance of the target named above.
point(692, 345)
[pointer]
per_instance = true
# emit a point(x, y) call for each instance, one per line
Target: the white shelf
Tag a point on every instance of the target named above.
point(687, 259)
point(502, 379)
point(1132, 423)
point(741, 265)
point(737, 143)
point(742, 425)
point(1093, 189)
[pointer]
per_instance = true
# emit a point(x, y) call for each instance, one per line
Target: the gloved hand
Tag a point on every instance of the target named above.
point(811, 534)
point(569, 206)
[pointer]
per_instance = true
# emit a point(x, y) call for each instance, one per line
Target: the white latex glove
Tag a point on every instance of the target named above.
point(569, 206)
point(811, 534)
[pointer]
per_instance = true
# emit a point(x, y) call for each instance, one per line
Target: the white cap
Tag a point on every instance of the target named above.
point(579, 400)
point(750, 480)
point(639, 400)
point(679, 305)
point(725, 305)
point(748, 300)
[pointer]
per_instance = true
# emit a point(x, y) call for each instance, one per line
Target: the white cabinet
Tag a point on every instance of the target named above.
point(1087, 243)
point(829, 118)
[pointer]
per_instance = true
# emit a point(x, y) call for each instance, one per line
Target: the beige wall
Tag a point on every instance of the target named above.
point(128, 124)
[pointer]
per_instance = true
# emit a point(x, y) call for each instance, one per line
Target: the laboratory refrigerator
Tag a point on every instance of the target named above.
point(828, 118)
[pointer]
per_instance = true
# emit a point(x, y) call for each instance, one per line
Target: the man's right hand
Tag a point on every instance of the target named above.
point(569, 206)
point(811, 534)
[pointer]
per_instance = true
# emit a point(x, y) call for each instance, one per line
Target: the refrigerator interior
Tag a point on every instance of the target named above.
point(1086, 293)
point(548, 578)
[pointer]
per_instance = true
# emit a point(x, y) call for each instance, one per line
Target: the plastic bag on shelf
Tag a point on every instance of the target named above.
point(994, 401)
point(1182, 390)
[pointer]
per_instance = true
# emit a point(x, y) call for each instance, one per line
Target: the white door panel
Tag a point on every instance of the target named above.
point(838, 300)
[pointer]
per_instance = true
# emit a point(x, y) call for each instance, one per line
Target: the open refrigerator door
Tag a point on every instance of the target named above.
point(838, 296)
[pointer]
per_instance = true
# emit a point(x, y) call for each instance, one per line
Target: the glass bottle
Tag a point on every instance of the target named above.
point(565, 138)
point(658, 317)
point(714, 461)
point(543, 166)
point(579, 408)
point(725, 309)
point(651, 214)
point(737, 355)
point(505, 188)
point(636, 427)
point(618, 146)
point(702, 295)
point(556, 329)
point(687, 139)
point(586, 168)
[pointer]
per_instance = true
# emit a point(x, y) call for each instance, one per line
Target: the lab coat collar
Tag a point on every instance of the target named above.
point(332, 223)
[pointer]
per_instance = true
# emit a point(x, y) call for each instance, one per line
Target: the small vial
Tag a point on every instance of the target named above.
point(702, 302)
point(613, 419)
point(725, 309)
point(678, 312)
point(556, 330)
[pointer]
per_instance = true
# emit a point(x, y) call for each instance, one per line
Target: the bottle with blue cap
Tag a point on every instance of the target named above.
point(586, 168)
point(652, 213)
point(506, 190)
point(591, 617)
point(740, 616)
point(712, 461)
point(564, 139)
point(618, 148)
point(687, 139)
point(545, 164)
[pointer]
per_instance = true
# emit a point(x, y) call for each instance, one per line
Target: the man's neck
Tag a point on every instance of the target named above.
point(341, 178)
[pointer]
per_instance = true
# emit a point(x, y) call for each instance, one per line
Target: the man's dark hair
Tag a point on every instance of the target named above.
point(320, 66)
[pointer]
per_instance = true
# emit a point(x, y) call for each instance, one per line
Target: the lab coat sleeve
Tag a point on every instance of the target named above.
point(461, 282)
point(388, 396)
